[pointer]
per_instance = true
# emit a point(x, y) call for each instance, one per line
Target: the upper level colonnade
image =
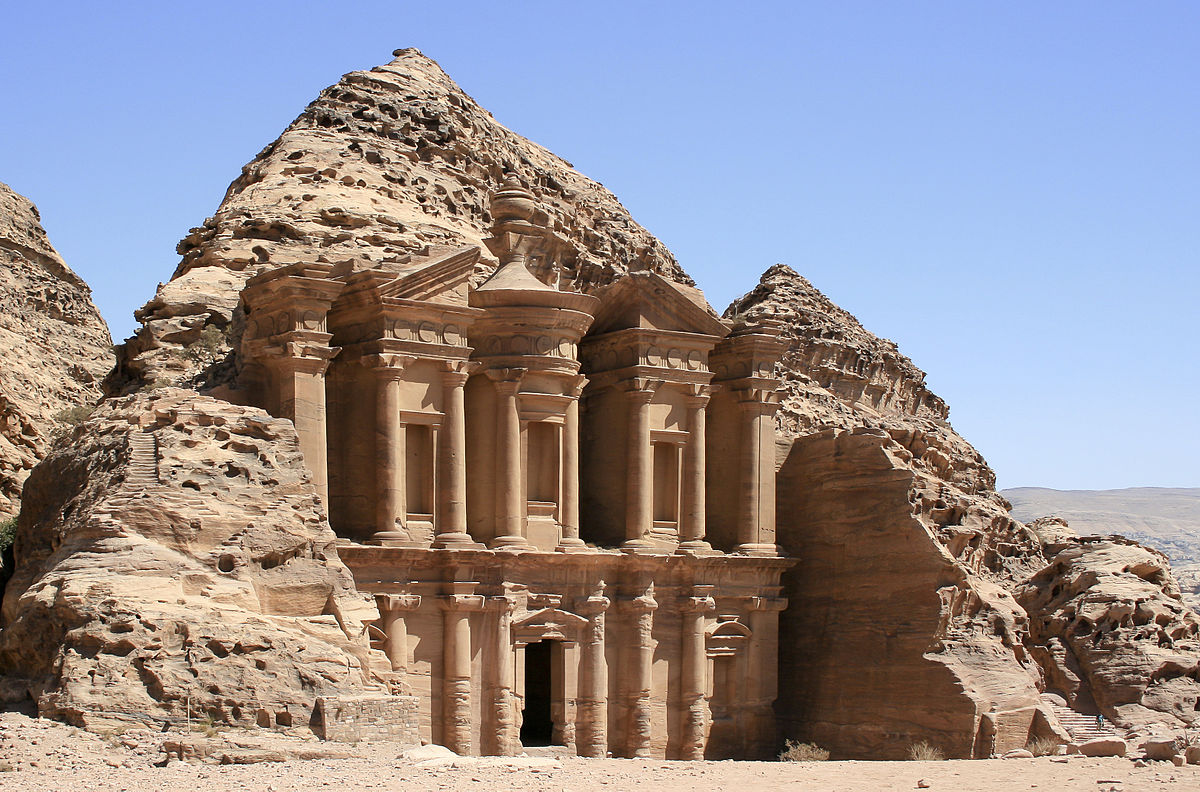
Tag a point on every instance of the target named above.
point(516, 415)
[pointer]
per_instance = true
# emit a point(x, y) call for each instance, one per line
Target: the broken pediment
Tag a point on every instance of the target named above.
point(646, 300)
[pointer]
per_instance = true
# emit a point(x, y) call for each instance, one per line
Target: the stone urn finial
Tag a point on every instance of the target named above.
point(513, 201)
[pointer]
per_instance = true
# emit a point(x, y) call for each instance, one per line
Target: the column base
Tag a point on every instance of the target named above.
point(455, 540)
point(393, 539)
point(640, 546)
point(752, 549)
point(511, 543)
point(571, 544)
point(696, 547)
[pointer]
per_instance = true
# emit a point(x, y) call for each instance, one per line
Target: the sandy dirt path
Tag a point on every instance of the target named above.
point(42, 755)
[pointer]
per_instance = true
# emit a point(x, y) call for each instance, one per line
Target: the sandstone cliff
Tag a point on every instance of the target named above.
point(174, 558)
point(380, 165)
point(1164, 518)
point(906, 552)
point(54, 344)
point(1110, 629)
point(902, 625)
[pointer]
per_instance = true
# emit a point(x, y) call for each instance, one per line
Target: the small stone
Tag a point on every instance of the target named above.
point(1018, 753)
point(922, 784)
point(1178, 760)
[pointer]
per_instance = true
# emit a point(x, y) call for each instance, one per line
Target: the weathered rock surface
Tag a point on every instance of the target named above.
point(896, 522)
point(889, 638)
point(1111, 631)
point(54, 344)
point(380, 165)
point(1164, 518)
point(173, 558)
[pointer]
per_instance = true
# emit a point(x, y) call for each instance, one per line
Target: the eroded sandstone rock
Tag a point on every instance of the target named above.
point(54, 344)
point(1111, 629)
point(888, 638)
point(174, 559)
point(379, 166)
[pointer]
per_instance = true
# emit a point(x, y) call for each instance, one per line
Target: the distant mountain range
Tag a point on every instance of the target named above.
point(1166, 519)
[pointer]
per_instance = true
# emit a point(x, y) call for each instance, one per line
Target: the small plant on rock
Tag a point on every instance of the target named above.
point(73, 416)
point(794, 751)
point(8, 532)
point(205, 350)
point(923, 751)
point(1042, 746)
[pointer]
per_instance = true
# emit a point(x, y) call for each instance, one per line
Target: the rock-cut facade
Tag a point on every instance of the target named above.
point(562, 503)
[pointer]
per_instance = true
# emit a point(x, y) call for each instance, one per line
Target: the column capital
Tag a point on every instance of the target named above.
point(768, 603)
point(300, 351)
point(593, 605)
point(462, 602)
point(757, 401)
point(388, 365)
point(455, 373)
point(506, 379)
point(640, 389)
point(644, 603)
point(397, 602)
point(575, 385)
point(697, 604)
point(504, 603)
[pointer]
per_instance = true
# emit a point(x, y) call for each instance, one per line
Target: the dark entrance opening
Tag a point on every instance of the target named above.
point(537, 727)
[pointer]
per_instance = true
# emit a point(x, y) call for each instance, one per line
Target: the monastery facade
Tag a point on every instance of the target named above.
point(563, 503)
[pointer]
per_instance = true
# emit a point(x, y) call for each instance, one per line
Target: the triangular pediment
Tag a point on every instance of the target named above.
point(440, 277)
point(646, 300)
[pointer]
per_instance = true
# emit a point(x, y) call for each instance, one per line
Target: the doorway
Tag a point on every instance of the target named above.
point(537, 726)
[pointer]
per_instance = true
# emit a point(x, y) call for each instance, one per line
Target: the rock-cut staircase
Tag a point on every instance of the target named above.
point(143, 461)
point(1081, 727)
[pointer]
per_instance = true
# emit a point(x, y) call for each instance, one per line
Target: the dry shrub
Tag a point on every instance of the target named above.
point(922, 751)
point(802, 752)
point(1042, 746)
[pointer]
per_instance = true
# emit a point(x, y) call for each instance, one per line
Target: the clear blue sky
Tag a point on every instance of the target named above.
point(1010, 191)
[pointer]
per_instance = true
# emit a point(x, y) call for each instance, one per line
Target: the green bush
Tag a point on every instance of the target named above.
point(8, 532)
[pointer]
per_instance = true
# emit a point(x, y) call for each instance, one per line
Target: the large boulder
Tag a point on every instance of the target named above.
point(173, 559)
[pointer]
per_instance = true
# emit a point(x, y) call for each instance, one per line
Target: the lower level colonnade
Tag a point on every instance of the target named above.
point(603, 653)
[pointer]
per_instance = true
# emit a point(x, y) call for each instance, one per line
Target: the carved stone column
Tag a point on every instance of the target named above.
point(451, 523)
point(763, 679)
point(639, 680)
point(694, 676)
point(756, 495)
point(390, 509)
point(506, 740)
point(592, 731)
point(300, 375)
point(570, 541)
point(639, 484)
point(392, 609)
point(457, 726)
point(691, 533)
point(510, 490)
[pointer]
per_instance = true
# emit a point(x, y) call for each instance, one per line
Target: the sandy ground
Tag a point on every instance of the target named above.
point(42, 755)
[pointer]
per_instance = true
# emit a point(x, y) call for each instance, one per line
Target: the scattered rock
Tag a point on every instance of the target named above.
point(1018, 753)
point(1159, 748)
point(1103, 747)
